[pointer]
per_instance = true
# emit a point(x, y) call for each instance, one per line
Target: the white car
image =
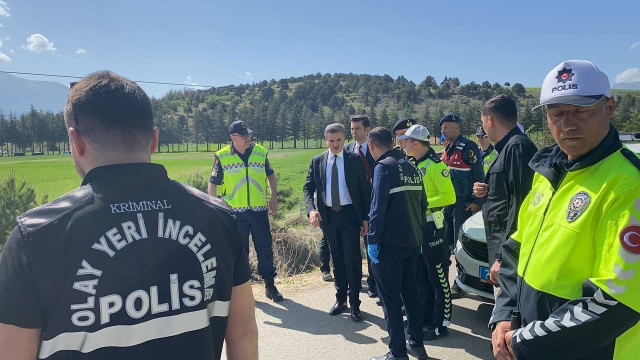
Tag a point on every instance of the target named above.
point(472, 258)
point(472, 255)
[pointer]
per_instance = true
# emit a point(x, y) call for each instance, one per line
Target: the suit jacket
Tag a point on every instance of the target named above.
point(355, 178)
point(350, 147)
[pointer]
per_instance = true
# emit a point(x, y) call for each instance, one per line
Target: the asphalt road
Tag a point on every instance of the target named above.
point(300, 328)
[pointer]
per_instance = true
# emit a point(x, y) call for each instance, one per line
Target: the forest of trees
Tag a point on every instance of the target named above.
point(296, 110)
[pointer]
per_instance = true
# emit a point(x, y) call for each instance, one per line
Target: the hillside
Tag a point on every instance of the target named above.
point(18, 94)
point(299, 108)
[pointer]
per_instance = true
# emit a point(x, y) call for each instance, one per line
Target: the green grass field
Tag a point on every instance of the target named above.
point(55, 174)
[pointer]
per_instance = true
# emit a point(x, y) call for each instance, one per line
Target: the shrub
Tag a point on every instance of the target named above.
point(16, 197)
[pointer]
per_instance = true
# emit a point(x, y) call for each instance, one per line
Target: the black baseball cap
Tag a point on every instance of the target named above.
point(403, 123)
point(480, 132)
point(450, 118)
point(239, 127)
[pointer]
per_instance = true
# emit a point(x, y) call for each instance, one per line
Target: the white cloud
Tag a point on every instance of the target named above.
point(12, 51)
point(189, 81)
point(7, 38)
point(1, 26)
point(247, 75)
point(0, 43)
point(4, 9)
point(4, 58)
point(81, 52)
point(629, 75)
point(634, 45)
point(38, 43)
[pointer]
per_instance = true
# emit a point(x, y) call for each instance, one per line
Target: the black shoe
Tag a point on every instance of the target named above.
point(372, 293)
point(271, 291)
point(430, 334)
point(389, 356)
point(418, 352)
point(326, 276)
point(456, 292)
point(337, 308)
point(356, 314)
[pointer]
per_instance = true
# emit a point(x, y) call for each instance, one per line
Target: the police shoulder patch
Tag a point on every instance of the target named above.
point(577, 205)
point(445, 172)
point(472, 156)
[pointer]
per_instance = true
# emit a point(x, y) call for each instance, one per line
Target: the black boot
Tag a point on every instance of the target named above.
point(271, 291)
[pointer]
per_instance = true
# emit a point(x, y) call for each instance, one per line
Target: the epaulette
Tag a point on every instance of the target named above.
point(37, 217)
point(635, 160)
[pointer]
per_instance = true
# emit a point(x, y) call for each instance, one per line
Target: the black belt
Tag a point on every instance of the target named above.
point(342, 207)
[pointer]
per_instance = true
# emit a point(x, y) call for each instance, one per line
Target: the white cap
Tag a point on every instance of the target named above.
point(417, 132)
point(574, 82)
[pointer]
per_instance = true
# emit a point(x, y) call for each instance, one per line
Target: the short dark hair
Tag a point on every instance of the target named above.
point(503, 107)
point(108, 109)
point(381, 137)
point(361, 118)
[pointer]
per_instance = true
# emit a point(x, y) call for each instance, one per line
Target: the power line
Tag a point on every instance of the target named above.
point(80, 77)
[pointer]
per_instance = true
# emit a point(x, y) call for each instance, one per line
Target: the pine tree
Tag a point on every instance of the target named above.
point(16, 197)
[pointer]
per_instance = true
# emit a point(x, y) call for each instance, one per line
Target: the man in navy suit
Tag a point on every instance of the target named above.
point(360, 127)
point(338, 180)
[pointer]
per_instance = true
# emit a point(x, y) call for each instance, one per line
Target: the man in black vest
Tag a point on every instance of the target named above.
point(131, 265)
point(398, 209)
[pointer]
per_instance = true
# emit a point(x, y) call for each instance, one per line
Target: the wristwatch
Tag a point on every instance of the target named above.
point(498, 256)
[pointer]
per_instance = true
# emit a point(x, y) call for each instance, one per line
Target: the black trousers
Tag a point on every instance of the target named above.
point(343, 235)
point(433, 278)
point(256, 223)
point(325, 255)
point(396, 279)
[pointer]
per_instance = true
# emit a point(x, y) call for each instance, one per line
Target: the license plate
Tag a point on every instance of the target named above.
point(484, 273)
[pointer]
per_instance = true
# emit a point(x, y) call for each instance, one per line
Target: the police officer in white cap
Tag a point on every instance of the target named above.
point(569, 274)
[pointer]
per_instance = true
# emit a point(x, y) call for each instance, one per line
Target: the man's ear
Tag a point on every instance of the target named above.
point(77, 141)
point(154, 141)
point(611, 106)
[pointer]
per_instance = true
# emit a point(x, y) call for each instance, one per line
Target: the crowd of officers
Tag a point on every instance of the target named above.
point(407, 204)
point(562, 227)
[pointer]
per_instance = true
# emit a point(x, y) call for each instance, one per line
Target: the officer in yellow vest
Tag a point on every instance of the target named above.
point(570, 274)
point(433, 270)
point(487, 150)
point(242, 170)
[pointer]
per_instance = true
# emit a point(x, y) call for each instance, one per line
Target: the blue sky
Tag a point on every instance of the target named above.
point(231, 42)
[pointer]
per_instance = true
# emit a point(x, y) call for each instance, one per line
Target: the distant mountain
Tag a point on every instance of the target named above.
point(18, 94)
point(628, 86)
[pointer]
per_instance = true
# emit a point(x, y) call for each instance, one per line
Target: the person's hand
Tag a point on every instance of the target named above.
point(507, 338)
point(493, 273)
point(314, 218)
point(480, 189)
point(501, 348)
point(473, 207)
point(364, 229)
point(273, 206)
point(373, 250)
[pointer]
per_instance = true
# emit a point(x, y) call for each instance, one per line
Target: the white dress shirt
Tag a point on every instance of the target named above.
point(345, 198)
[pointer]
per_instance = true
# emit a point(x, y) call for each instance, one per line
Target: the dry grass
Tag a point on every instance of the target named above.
point(296, 247)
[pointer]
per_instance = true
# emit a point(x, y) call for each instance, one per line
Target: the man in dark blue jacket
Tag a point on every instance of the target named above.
point(397, 217)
